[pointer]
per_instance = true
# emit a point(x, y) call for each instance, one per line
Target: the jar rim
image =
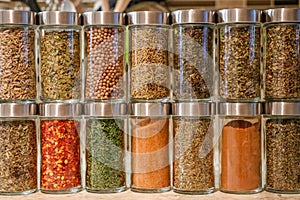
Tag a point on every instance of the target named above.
point(103, 18)
point(150, 109)
point(282, 108)
point(105, 109)
point(235, 15)
point(193, 16)
point(18, 109)
point(17, 17)
point(240, 109)
point(60, 109)
point(193, 109)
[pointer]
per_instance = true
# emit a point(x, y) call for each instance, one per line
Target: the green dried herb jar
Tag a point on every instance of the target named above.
point(106, 125)
point(194, 139)
point(18, 149)
point(282, 147)
point(59, 56)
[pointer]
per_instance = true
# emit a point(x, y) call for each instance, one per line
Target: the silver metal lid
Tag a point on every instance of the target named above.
point(282, 15)
point(148, 17)
point(17, 110)
point(239, 15)
point(105, 109)
point(103, 17)
point(16, 17)
point(282, 108)
point(150, 109)
point(58, 18)
point(193, 109)
point(60, 109)
point(193, 16)
point(239, 109)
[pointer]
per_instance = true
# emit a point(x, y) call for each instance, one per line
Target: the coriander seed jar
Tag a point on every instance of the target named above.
point(104, 36)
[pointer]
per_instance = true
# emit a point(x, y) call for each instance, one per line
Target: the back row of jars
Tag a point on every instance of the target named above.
point(61, 45)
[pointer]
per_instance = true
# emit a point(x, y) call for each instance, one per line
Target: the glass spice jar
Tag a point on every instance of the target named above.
point(282, 146)
point(193, 55)
point(149, 126)
point(18, 149)
point(18, 70)
point(104, 55)
point(59, 56)
point(239, 54)
point(240, 148)
point(281, 54)
point(148, 56)
point(60, 147)
point(193, 132)
point(105, 147)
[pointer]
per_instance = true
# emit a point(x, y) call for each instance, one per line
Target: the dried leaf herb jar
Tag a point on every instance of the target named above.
point(281, 54)
point(239, 54)
point(106, 125)
point(60, 125)
point(18, 149)
point(18, 70)
point(148, 56)
point(150, 159)
point(59, 56)
point(282, 151)
point(104, 36)
point(240, 148)
point(193, 55)
point(194, 139)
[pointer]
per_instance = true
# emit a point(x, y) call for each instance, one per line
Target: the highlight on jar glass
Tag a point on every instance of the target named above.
point(18, 149)
point(104, 55)
point(106, 147)
point(59, 56)
point(18, 70)
point(241, 157)
point(193, 55)
point(60, 148)
point(148, 56)
point(282, 152)
point(281, 54)
point(239, 54)
point(149, 126)
point(194, 141)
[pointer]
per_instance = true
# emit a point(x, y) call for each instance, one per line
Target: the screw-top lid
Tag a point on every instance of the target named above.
point(150, 109)
point(282, 108)
point(105, 109)
point(239, 15)
point(103, 17)
point(193, 16)
point(60, 109)
point(239, 109)
point(16, 17)
point(147, 18)
point(58, 18)
point(193, 109)
point(282, 15)
point(17, 109)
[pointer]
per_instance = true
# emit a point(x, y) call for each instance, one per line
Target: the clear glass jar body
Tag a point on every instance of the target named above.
point(241, 157)
point(60, 155)
point(18, 160)
point(18, 70)
point(60, 63)
point(104, 62)
point(282, 139)
point(281, 61)
point(148, 59)
point(193, 62)
point(193, 167)
point(239, 62)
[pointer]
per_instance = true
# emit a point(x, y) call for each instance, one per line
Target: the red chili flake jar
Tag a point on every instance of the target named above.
point(60, 148)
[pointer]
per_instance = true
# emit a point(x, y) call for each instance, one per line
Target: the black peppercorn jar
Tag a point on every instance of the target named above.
point(59, 49)
point(281, 54)
point(18, 149)
point(194, 139)
point(106, 147)
point(18, 70)
point(104, 36)
point(282, 146)
point(239, 54)
point(148, 56)
point(193, 55)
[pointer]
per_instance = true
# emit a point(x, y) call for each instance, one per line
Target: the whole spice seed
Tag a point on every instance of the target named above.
point(105, 67)
point(282, 64)
point(105, 158)
point(192, 173)
point(283, 154)
point(18, 74)
point(60, 65)
point(60, 144)
point(18, 160)
point(239, 62)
